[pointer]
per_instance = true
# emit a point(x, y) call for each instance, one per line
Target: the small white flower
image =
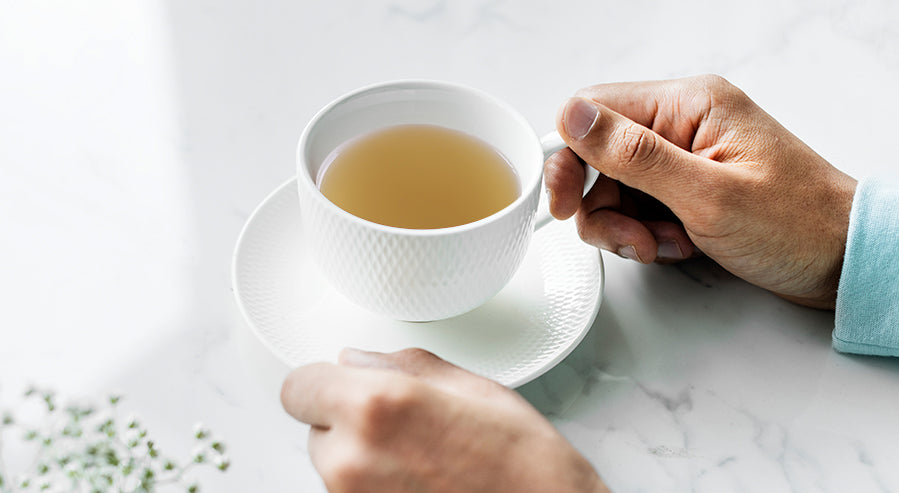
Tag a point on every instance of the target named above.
point(72, 470)
point(23, 481)
point(217, 444)
point(222, 462)
point(199, 454)
point(200, 431)
point(102, 417)
point(133, 437)
point(114, 398)
point(133, 421)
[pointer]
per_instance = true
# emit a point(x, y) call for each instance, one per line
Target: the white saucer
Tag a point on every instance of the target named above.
point(531, 325)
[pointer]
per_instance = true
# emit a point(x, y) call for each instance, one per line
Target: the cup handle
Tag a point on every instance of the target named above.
point(552, 143)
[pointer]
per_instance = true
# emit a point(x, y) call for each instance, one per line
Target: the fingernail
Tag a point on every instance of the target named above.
point(579, 117)
point(630, 253)
point(670, 250)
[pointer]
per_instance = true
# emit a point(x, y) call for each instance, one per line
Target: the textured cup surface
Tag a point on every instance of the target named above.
point(408, 274)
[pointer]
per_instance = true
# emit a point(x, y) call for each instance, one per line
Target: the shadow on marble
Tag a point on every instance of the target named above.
point(702, 301)
point(885, 364)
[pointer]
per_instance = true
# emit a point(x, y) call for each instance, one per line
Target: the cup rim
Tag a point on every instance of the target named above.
point(305, 180)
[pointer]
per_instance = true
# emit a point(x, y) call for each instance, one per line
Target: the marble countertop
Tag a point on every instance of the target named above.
point(137, 137)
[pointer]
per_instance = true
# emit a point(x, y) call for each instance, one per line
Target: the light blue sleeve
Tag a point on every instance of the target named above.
point(867, 311)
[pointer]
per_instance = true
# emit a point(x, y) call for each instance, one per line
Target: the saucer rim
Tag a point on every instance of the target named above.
point(522, 380)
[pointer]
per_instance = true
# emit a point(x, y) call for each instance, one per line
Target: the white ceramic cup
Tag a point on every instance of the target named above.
point(422, 274)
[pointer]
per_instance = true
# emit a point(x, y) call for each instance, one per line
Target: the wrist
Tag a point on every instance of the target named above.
point(826, 259)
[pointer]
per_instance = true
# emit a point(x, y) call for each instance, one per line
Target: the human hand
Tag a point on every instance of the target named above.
point(409, 421)
point(694, 166)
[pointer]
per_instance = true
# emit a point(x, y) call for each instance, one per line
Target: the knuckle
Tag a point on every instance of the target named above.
point(288, 390)
point(416, 354)
point(636, 147)
point(589, 232)
point(559, 171)
point(418, 361)
point(714, 84)
point(292, 387)
point(720, 91)
point(583, 228)
point(586, 92)
point(385, 405)
point(553, 166)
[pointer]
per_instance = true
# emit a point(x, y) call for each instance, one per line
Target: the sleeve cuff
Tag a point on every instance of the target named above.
point(867, 308)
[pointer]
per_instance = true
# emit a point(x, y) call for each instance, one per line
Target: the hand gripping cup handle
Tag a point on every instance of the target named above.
point(552, 143)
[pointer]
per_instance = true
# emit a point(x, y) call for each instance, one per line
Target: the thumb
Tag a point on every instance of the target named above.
point(629, 152)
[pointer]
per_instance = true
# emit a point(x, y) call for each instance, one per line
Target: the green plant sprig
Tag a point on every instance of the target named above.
point(86, 448)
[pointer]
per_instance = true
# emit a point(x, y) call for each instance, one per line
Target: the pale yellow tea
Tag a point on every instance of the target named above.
point(419, 177)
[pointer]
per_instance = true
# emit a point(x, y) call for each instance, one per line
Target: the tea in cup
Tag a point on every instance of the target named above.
point(418, 177)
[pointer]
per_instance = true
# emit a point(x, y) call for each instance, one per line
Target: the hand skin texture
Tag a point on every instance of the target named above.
point(693, 166)
point(409, 421)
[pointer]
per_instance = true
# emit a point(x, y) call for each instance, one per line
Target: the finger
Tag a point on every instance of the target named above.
point(616, 232)
point(605, 194)
point(671, 238)
point(563, 175)
point(425, 365)
point(332, 452)
point(632, 154)
point(313, 393)
point(674, 243)
point(672, 108)
point(318, 444)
